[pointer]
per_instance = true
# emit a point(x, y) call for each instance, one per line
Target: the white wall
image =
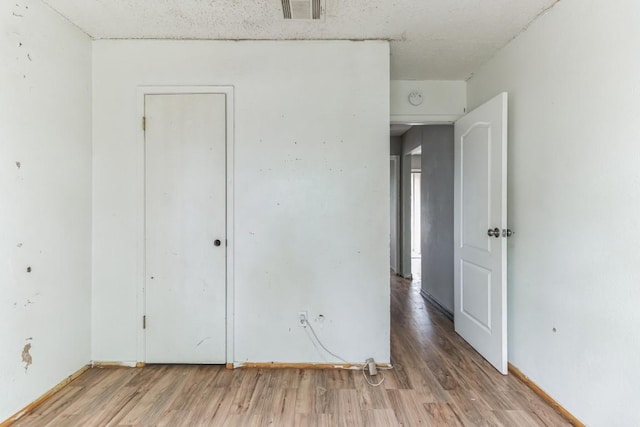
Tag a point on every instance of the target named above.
point(45, 201)
point(443, 101)
point(311, 177)
point(574, 202)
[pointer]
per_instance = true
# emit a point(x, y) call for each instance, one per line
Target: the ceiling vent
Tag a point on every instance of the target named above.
point(303, 9)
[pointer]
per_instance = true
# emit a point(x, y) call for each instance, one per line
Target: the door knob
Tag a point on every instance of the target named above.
point(217, 242)
point(494, 232)
point(506, 232)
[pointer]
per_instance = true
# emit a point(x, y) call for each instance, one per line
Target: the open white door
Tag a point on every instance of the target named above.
point(480, 230)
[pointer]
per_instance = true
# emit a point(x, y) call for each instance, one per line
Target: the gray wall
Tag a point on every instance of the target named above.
point(437, 210)
point(395, 145)
point(437, 214)
point(395, 151)
point(416, 163)
point(394, 213)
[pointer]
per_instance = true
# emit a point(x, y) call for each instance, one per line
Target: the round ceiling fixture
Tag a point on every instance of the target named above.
point(415, 98)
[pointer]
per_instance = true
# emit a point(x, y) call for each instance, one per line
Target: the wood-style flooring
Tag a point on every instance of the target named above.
point(438, 380)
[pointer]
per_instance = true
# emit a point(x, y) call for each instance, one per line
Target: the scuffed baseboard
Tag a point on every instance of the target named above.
point(39, 401)
point(279, 365)
point(111, 364)
point(550, 400)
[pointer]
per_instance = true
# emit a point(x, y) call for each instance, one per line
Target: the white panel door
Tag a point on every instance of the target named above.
point(185, 296)
point(480, 247)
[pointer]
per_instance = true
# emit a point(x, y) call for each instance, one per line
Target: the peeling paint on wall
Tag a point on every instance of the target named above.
point(26, 356)
point(45, 58)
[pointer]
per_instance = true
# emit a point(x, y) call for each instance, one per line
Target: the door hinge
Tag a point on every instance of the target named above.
point(144, 322)
point(144, 123)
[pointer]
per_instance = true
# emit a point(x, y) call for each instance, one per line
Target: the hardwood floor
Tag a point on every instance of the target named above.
point(438, 380)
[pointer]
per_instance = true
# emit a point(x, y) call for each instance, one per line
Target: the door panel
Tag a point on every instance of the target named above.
point(480, 205)
point(184, 215)
point(476, 166)
point(475, 295)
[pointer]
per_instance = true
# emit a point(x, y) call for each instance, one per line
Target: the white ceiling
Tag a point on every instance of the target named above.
point(430, 39)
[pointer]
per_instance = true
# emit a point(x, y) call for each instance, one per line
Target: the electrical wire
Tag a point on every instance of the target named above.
point(315, 345)
point(364, 366)
point(366, 378)
point(322, 345)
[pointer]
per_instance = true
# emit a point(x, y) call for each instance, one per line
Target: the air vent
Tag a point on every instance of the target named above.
point(303, 9)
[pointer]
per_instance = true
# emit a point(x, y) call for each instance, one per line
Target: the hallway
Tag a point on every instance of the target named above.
point(437, 380)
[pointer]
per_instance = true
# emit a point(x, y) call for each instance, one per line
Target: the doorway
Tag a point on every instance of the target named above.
point(416, 218)
point(426, 198)
point(185, 228)
point(410, 200)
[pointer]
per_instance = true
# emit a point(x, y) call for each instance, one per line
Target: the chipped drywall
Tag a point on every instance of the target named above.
point(45, 213)
point(315, 168)
point(26, 356)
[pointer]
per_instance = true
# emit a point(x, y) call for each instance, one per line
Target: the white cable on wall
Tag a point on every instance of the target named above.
point(364, 365)
point(306, 321)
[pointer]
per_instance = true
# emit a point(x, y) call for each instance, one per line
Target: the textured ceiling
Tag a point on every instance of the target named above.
point(430, 39)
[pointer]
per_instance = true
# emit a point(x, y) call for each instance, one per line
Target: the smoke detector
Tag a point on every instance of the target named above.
point(303, 9)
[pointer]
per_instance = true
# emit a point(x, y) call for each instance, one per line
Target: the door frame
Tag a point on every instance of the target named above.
point(416, 215)
point(228, 91)
point(395, 216)
point(406, 211)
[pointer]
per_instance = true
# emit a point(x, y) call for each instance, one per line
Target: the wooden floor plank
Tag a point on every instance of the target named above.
point(372, 398)
point(442, 414)
point(345, 408)
point(314, 420)
point(380, 417)
point(219, 407)
point(408, 408)
point(437, 380)
point(44, 414)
